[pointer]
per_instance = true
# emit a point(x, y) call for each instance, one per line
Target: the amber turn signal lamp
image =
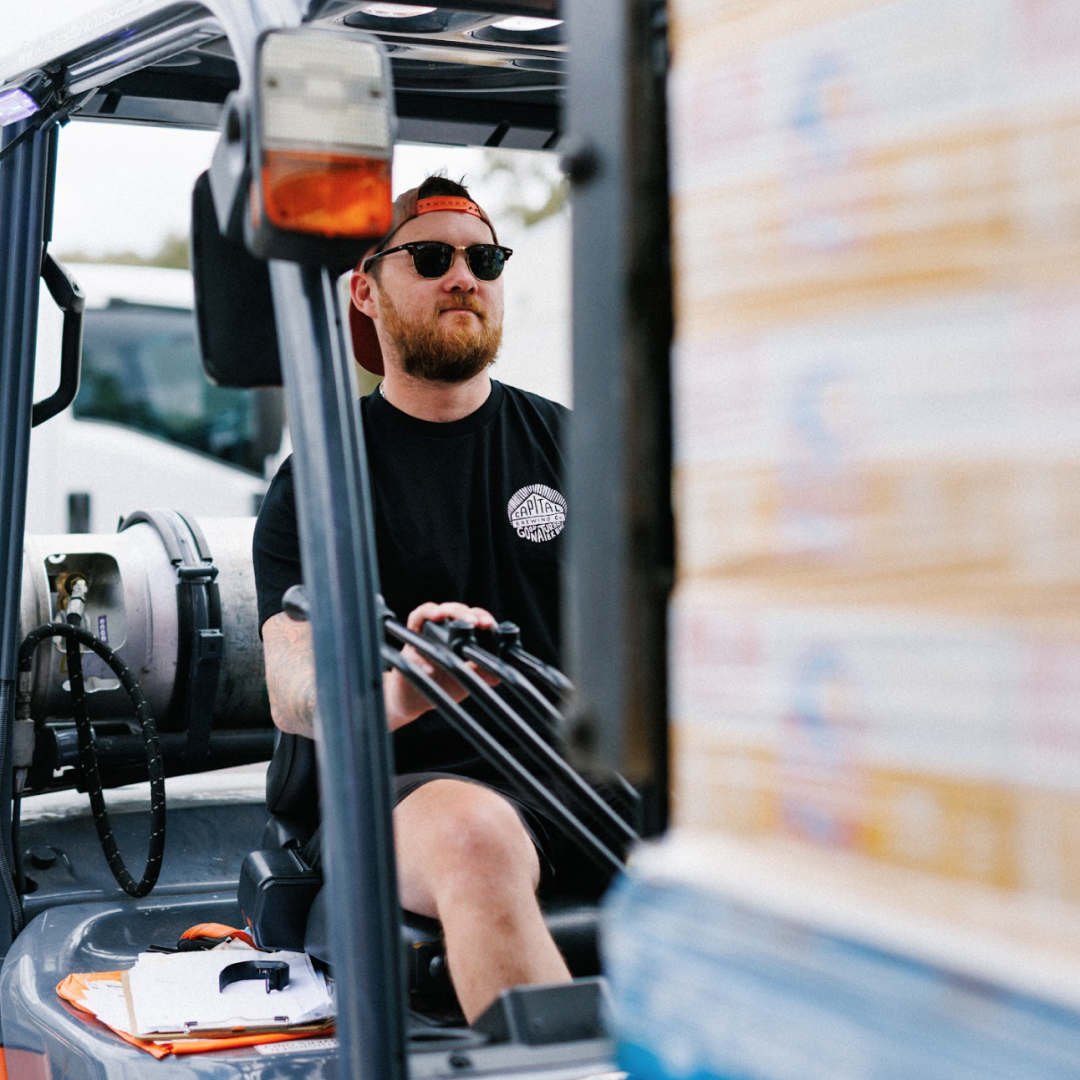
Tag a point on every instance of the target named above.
point(324, 127)
point(332, 196)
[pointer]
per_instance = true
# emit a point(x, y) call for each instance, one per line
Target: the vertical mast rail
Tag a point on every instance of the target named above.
point(621, 524)
point(337, 541)
point(22, 221)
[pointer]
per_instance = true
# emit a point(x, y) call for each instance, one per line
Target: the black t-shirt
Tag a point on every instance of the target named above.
point(473, 510)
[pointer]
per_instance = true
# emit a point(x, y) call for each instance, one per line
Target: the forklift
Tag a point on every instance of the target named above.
point(153, 627)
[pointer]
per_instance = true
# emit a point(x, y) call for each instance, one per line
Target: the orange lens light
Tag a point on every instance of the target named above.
point(324, 135)
point(327, 194)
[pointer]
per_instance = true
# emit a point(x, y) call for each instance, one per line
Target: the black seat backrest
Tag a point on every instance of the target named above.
point(292, 792)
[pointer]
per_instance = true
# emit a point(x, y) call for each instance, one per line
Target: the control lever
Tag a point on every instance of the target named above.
point(533, 750)
point(436, 646)
point(462, 638)
point(506, 637)
point(295, 603)
point(489, 747)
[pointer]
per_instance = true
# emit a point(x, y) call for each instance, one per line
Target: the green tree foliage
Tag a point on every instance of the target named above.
point(172, 252)
point(529, 185)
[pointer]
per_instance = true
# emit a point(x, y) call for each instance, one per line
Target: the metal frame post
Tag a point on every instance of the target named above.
point(23, 197)
point(338, 545)
point(622, 534)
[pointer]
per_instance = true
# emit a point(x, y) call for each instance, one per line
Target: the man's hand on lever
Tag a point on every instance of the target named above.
point(290, 669)
point(403, 702)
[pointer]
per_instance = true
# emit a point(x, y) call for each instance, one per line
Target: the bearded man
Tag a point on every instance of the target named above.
point(466, 478)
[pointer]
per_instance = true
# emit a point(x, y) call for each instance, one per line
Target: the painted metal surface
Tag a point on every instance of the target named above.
point(337, 538)
point(621, 562)
point(23, 196)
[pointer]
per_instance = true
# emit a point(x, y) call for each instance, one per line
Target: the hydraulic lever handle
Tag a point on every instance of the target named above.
point(69, 298)
point(507, 641)
point(461, 637)
point(498, 755)
point(436, 647)
point(296, 605)
point(506, 638)
point(541, 756)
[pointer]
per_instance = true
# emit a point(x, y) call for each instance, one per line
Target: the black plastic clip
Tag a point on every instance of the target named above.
point(275, 972)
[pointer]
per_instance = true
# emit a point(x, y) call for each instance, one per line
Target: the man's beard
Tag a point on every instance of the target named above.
point(428, 351)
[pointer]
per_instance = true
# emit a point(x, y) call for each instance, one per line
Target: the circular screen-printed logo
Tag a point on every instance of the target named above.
point(537, 512)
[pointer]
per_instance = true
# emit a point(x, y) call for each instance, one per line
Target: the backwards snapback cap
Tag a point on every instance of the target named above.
point(408, 205)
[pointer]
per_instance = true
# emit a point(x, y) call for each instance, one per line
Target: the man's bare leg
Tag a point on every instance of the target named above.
point(464, 858)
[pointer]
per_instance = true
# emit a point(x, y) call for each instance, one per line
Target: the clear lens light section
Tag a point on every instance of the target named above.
point(395, 11)
point(325, 93)
point(16, 105)
point(523, 24)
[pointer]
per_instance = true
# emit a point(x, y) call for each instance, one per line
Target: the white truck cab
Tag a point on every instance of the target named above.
point(145, 414)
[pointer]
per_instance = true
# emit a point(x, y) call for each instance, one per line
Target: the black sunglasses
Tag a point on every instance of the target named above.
point(432, 258)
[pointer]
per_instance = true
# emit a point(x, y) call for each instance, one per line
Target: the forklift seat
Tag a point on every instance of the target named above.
point(284, 905)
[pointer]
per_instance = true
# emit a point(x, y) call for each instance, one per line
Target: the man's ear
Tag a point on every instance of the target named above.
point(363, 292)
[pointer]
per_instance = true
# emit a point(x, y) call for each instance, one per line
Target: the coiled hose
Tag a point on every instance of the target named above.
point(76, 636)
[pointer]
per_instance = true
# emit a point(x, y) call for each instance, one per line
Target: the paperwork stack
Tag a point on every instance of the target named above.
point(178, 1002)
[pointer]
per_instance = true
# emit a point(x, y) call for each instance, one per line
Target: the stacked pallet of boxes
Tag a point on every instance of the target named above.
point(875, 869)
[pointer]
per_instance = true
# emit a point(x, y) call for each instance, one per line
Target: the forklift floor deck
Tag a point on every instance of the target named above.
point(78, 920)
point(51, 1039)
point(214, 820)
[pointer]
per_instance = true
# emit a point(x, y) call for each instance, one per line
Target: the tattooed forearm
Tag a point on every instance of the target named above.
point(290, 673)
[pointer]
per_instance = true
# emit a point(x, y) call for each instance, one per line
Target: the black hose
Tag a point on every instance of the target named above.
point(16, 822)
point(76, 636)
point(6, 868)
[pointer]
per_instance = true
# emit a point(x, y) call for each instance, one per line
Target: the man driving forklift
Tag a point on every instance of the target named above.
point(467, 478)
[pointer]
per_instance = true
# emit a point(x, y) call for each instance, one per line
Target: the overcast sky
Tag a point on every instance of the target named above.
point(122, 187)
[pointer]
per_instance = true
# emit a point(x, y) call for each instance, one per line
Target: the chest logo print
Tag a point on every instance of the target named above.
point(537, 513)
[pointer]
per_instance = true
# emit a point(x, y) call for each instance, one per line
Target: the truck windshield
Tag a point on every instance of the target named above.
point(141, 369)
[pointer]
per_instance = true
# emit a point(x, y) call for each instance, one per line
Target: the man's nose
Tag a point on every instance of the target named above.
point(459, 278)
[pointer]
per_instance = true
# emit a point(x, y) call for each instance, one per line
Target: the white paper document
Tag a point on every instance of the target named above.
point(178, 993)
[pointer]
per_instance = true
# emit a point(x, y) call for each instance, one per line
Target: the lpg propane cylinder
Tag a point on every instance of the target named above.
point(139, 601)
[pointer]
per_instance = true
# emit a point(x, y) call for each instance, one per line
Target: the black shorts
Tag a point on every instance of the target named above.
point(564, 869)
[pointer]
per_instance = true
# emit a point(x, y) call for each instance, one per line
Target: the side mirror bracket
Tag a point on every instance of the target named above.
point(230, 168)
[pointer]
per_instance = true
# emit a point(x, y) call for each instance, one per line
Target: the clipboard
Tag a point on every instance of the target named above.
point(74, 989)
point(175, 997)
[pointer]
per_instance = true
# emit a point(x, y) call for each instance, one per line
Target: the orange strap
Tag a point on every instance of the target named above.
point(448, 202)
point(217, 931)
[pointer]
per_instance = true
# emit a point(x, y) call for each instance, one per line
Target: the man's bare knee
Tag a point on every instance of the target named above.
point(452, 835)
